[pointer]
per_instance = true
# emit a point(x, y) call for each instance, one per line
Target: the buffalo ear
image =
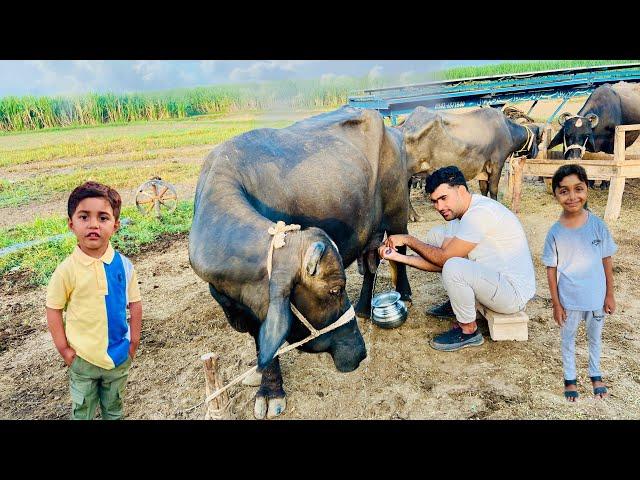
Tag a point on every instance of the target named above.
point(277, 324)
point(593, 120)
point(275, 328)
point(557, 140)
point(312, 257)
point(563, 118)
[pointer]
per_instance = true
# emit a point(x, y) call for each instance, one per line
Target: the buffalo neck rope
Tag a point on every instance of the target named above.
point(527, 144)
point(279, 232)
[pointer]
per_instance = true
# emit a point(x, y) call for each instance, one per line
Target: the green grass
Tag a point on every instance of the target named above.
point(38, 189)
point(37, 263)
point(520, 67)
point(35, 113)
point(132, 143)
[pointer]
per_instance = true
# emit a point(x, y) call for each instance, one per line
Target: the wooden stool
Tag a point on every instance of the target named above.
point(503, 326)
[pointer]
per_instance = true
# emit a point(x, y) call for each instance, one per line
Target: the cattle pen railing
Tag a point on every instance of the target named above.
point(616, 168)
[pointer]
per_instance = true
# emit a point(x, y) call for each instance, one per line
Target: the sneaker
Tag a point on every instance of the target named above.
point(455, 339)
point(444, 311)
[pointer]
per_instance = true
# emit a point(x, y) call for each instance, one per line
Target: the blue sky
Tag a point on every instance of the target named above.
point(52, 77)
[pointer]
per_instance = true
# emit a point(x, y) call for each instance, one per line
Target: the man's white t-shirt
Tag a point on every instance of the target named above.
point(501, 242)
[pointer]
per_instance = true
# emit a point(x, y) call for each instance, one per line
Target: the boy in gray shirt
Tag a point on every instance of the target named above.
point(577, 254)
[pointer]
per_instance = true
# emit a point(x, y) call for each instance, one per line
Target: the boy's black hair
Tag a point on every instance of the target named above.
point(94, 190)
point(565, 171)
point(450, 175)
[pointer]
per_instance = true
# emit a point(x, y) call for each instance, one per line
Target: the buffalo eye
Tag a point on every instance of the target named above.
point(335, 290)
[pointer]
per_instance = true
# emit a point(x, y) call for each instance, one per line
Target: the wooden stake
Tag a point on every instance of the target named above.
point(518, 168)
point(216, 409)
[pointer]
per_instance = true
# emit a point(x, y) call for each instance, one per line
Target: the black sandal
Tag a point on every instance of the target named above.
point(598, 390)
point(570, 393)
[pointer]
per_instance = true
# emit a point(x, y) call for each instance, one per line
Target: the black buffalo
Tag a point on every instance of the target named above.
point(343, 177)
point(593, 128)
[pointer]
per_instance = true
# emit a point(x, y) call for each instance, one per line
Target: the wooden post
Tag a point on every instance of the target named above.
point(518, 168)
point(616, 188)
point(546, 140)
point(216, 409)
point(508, 197)
point(614, 201)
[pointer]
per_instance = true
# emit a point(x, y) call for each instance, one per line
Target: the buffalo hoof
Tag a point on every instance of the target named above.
point(363, 314)
point(270, 408)
point(253, 380)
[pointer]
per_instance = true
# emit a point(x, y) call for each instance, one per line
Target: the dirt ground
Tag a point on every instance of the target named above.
point(402, 377)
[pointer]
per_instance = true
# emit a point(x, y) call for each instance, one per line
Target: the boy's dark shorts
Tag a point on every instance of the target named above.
point(91, 385)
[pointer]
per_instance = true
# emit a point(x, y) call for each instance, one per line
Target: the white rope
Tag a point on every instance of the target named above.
point(527, 144)
point(279, 232)
point(582, 147)
point(346, 317)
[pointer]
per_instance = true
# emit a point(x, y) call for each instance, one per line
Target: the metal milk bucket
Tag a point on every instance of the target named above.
point(387, 310)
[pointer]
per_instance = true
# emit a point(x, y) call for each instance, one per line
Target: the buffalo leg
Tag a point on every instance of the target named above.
point(413, 183)
point(413, 215)
point(494, 181)
point(402, 285)
point(370, 262)
point(484, 187)
point(363, 307)
point(271, 399)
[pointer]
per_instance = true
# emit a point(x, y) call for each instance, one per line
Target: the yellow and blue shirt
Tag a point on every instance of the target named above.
point(96, 293)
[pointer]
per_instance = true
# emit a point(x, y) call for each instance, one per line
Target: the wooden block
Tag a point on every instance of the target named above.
point(502, 326)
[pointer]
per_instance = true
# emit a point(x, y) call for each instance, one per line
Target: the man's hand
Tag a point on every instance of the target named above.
point(559, 314)
point(68, 354)
point(388, 253)
point(395, 241)
point(609, 304)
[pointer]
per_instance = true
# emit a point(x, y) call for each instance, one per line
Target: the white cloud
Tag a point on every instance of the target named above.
point(266, 70)
point(407, 77)
point(207, 66)
point(375, 72)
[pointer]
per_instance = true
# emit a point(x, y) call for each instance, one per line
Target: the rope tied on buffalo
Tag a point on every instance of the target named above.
point(279, 232)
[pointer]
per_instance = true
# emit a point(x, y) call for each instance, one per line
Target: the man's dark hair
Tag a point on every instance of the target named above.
point(565, 171)
point(450, 175)
point(94, 190)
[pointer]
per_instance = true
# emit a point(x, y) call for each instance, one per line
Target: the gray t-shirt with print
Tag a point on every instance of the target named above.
point(577, 253)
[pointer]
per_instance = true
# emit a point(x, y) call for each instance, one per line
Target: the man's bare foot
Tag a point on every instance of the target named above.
point(599, 388)
point(570, 390)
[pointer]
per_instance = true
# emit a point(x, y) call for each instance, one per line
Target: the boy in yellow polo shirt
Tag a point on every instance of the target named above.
point(95, 284)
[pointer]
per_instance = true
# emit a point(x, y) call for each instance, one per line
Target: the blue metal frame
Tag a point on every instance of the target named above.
point(494, 90)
